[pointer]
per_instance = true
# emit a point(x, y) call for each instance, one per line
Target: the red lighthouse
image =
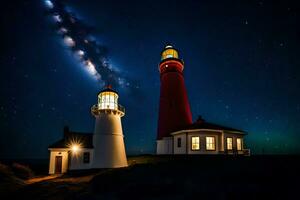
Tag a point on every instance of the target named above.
point(174, 108)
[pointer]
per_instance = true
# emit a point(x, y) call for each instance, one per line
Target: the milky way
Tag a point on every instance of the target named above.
point(78, 37)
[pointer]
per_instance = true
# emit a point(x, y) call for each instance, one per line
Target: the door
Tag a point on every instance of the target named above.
point(58, 164)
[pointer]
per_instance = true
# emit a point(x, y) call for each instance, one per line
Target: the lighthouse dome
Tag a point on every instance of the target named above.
point(169, 52)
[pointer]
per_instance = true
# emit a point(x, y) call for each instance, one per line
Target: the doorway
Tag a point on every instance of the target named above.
point(58, 164)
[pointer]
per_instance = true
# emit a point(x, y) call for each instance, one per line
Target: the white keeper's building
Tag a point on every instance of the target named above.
point(202, 137)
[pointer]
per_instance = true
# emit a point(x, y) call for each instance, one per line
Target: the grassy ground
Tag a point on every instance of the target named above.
point(176, 177)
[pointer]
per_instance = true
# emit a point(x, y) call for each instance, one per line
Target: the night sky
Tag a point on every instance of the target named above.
point(241, 70)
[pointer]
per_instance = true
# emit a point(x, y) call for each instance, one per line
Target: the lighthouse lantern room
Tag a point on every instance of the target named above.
point(108, 100)
point(169, 52)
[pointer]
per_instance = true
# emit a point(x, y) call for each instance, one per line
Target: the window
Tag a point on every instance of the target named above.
point(169, 53)
point(178, 142)
point(195, 143)
point(239, 144)
point(86, 157)
point(108, 100)
point(210, 143)
point(229, 143)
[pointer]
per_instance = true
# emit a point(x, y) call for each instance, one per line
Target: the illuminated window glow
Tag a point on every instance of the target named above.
point(229, 143)
point(108, 100)
point(169, 53)
point(195, 143)
point(239, 144)
point(210, 143)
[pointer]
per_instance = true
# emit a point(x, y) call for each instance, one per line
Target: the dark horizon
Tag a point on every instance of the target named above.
point(241, 70)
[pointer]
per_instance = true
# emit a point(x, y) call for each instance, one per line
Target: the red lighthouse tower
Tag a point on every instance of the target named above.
point(174, 108)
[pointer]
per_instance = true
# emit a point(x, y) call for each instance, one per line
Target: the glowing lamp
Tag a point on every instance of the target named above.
point(75, 148)
point(169, 52)
point(108, 99)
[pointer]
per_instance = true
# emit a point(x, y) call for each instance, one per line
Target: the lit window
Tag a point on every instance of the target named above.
point(239, 144)
point(210, 143)
point(178, 142)
point(86, 157)
point(229, 143)
point(169, 53)
point(195, 143)
point(108, 100)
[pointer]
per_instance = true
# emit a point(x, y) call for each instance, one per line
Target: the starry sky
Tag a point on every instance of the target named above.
point(241, 70)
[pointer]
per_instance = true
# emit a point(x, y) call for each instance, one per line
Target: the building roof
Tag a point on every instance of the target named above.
point(202, 124)
point(85, 140)
point(108, 89)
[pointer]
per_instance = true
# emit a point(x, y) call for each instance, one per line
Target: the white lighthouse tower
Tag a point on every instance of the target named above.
point(108, 139)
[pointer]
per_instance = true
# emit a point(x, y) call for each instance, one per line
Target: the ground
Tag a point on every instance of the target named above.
point(177, 177)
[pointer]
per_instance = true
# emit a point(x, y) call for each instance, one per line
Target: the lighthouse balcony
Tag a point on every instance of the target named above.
point(119, 109)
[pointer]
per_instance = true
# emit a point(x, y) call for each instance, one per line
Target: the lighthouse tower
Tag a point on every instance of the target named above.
point(108, 142)
point(174, 108)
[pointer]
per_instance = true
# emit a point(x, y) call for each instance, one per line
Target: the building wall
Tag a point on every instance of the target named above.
point(76, 160)
point(186, 142)
point(108, 141)
point(164, 146)
point(53, 154)
point(220, 142)
point(182, 149)
point(174, 107)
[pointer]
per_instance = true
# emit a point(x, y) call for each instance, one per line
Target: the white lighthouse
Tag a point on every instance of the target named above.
point(108, 138)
